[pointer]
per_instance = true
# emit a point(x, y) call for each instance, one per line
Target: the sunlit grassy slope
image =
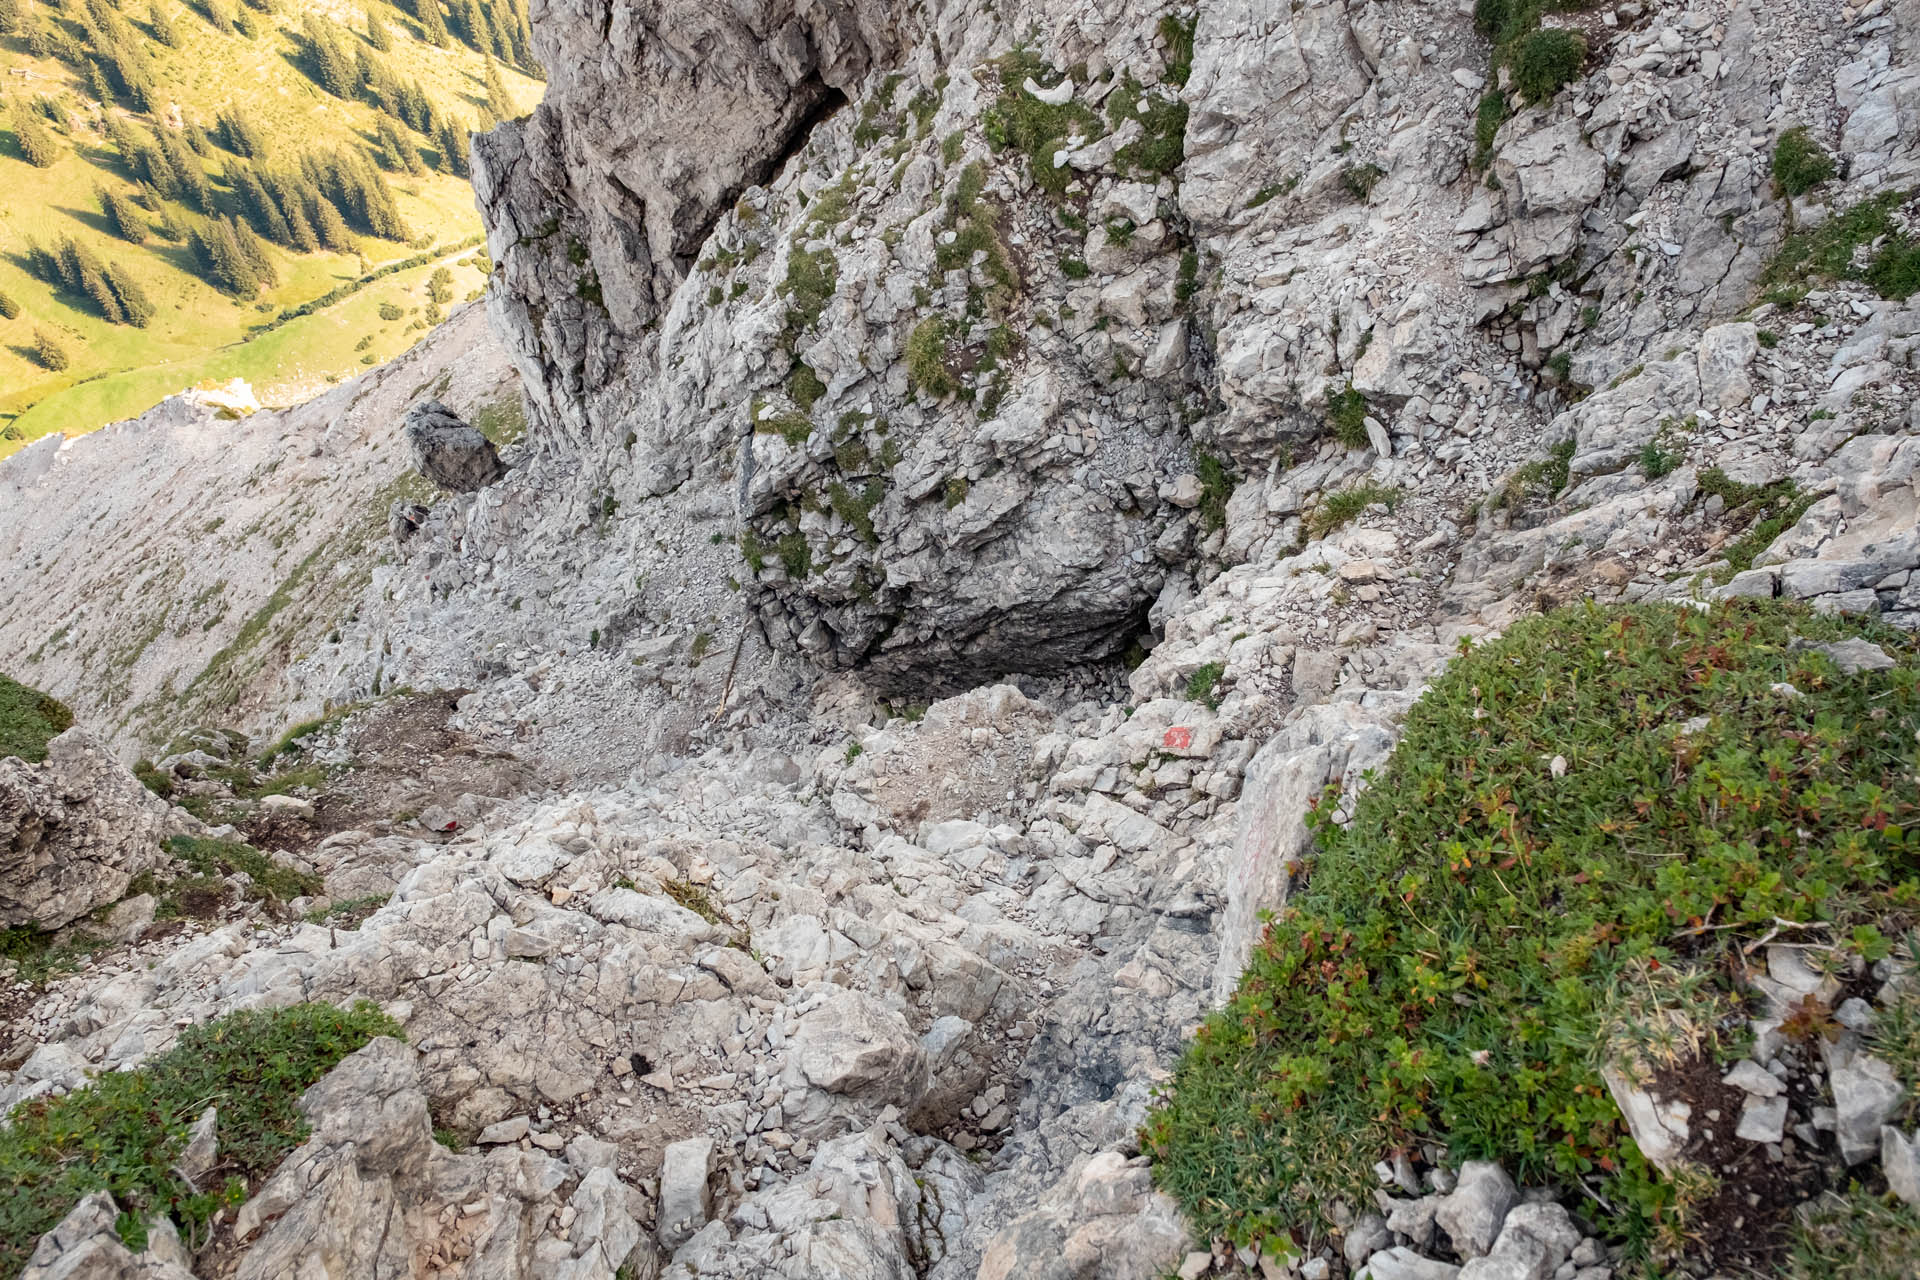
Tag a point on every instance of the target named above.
point(198, 332)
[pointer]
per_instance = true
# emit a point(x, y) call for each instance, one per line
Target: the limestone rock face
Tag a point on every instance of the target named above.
point(992, 509)
point(658, 115)
point(448, 452)
point(371, 1191)
point(86, 1246)
point(75, 829)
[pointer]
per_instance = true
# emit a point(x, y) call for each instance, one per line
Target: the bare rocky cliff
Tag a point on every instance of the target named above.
point(988, 467)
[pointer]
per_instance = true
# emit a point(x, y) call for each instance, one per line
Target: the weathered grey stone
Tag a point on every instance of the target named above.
point(1367, 1236)
point(1762, 1119)
point(685, 1200)
point(1659, 1127)
point(1855, 655)
point(1866, 1094)
point(448, 452)
point(1726, 352)
point(86, 1246)
point(1401, 1263)
point(1900, 1162)
point(75, 830)
point(851, 1056)
point(1473, 1212)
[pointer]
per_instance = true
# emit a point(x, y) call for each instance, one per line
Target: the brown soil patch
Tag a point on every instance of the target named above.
point(405, 760)
point(1744, 1226)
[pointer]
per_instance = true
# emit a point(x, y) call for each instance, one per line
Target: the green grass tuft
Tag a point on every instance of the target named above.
point(1216, 489)
point(805, 387)
point(272, 881)
point(29, 720)
point(1361, 179)
point(1018, 121)
point(1799, 163)
point(40, 956)
point(1336, 509)
point(1859, 1236)
point(927, 370)
point(1768, 510)
point(1546, 61)
point(1201, 684)
point(1347, 414)
point(1538, 481)
point(1657, 461)
point(1457, 963)
point(1177, 33)
point(1493, 112)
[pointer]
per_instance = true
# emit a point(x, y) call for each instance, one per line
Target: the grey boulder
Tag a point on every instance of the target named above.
point(75, 829)
point(448, 452)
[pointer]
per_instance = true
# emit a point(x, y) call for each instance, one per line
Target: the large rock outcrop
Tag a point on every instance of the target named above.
point(75, 830)
point(372, 1193)
point(449, 452)
point(945, 445)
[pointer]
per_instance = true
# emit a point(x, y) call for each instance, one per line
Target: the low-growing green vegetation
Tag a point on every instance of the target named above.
point(1584, 826)
point(29, 720)
point(1216, 489)
point(1860, 1236)
point(1766, 510)
point(1865, 243)
point(1347, 415)
point(1658, 458)
point(38, 955)
point(1546, 61)
point(125, 1132)
point(1493, 112)
point(1541, 61)
point(1341, 506)
point(273, 882)
point(504, 421)
point(1361, 179)
point(927, 370)
point(1018, 121)
point(1799, 163)
point(1177, 34)
point(1538, 481)
point(1202, 683)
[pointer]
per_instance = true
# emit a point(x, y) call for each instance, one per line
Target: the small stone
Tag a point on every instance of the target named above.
point(1762, 1119)
point(1472, 1215)
point(1402, 1263)
point(1865, 1096)
point(1750, 1077)
point(1185, 491)
point(501, 1132)
point(1358, 571)
point(1854, 656)
point(1366, 1237)
point(1900, 1161)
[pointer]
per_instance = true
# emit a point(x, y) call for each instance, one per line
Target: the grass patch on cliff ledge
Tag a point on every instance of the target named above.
point(29, 720)
point(1584, 823)
point(125, 1131)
